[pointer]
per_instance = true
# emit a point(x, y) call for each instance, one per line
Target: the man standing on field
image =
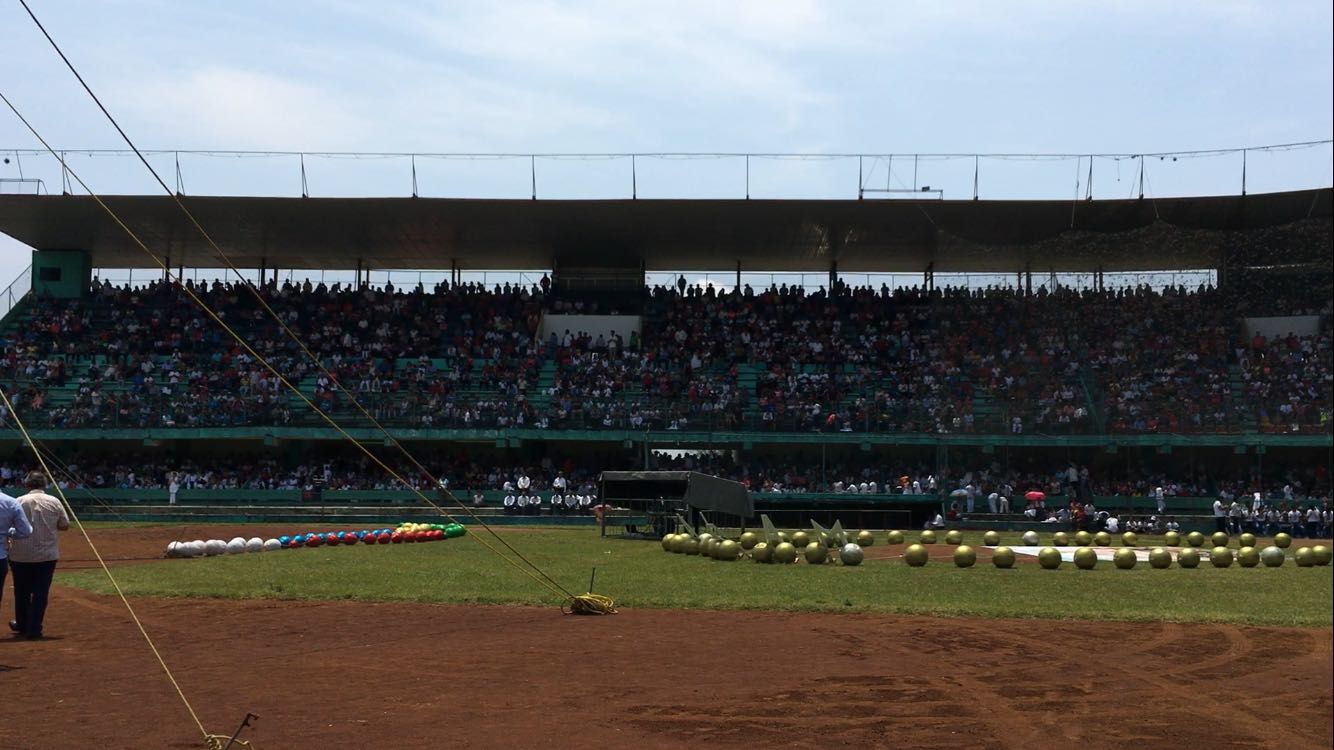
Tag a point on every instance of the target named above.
point(13, 525)
point(33, 560)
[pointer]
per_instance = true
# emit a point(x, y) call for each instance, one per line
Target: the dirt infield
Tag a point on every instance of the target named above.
point(347, 674)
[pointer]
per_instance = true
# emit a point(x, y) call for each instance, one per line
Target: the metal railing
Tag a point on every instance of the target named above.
point(883, 176)
point(15, 292)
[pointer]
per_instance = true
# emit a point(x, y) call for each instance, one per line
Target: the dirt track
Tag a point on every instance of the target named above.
point(343, 674)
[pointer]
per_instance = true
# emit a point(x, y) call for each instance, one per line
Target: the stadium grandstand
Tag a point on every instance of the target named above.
point(1024, 352)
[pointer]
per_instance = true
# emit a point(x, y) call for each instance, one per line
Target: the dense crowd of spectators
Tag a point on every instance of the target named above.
point(786, 358)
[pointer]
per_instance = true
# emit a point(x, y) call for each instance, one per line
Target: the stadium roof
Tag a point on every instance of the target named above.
point(703, 235)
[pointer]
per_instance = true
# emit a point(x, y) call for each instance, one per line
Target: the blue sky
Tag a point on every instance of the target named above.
point(738, 76)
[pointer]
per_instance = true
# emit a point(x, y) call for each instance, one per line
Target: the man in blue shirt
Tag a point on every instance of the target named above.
point(14, 523)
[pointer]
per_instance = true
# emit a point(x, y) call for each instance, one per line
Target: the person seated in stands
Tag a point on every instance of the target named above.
point(1172, 525)
point(936, 522)
point(557, 503)
point(585, 503)
point(1110, 523)
point(521, 505)
point(571, 503)
point(511, 504)
point(478, 499)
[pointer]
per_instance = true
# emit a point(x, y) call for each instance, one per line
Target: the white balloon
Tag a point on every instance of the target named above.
point(173, 549)
point(271, 544)
point(194, 549)
point(236, 546)
point(214, 547)
point(254, 544)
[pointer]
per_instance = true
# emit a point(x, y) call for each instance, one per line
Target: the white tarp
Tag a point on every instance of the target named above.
point(1271, 328)
point(1105, 553)
point(593, 325)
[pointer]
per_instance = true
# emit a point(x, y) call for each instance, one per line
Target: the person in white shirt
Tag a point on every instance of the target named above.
point(33, 559)
point(571, 503)
point(1172, 525)
point(1113, 525)
point(558, 484)
point(1220, 515)
point(172, 487)
point(1160, 498)
point(521, 505)
point(585, 503)
point(523, 483)
point(971, 495)
point(992, 501)
point(1234, 515)
point(1004, 504)
point(1312, 522)
point(510, 503)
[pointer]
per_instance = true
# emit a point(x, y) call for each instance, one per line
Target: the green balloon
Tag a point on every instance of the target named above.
point(915, 555)
point(1189, 558)
point(1130, 539)
point(1172, 539)
point(703, 539)
point(865, 538)
point(1248, 557)
point(928, 537)
point(1160, 558)
point(896, 537)
point(964, 556)
point(729, 550)
point(1086, 558)
point(1060, 539)
point(800, 539)
point(679, 543)
point(761, 553)
point(1125, 558)
point(1002, 557)
point(1049, 558)
point(1102, 539)
point(783, 537)
point(953, 537)
point(1246, 540)
point(1304, 557)
point(816, 553)
point(991, 539)
point(1272, 557)
point(1221, 557)
point(785, 553)
point(667, 542)
point(1195, 539)
point(749, 540)
point(1220, 539)
point(692, 546)
point(1282, 540)
point(1083, 538)
point(1322, 554)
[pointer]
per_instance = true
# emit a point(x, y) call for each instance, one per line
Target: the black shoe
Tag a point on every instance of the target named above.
point(14, 626)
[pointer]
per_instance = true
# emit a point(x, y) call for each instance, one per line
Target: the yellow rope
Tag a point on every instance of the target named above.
point(282, 323)
point(552, 585)
point(114, 583)
point(589, 604)
point(539, 575)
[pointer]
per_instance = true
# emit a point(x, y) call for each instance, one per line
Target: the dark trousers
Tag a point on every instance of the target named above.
point(32, 585)
point(4, 570)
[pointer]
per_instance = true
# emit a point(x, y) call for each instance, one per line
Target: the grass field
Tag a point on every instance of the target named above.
point(640, 574)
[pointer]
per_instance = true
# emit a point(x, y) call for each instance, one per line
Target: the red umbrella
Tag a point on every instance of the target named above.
point(1034, 496)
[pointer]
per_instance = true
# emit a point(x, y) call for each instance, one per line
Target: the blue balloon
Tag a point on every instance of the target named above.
point(283, 539)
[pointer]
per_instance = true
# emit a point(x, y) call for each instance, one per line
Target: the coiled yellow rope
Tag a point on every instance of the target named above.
point(589, 604)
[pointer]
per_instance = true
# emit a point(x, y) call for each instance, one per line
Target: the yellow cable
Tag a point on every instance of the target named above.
point(114, 584)
point(223, 256)
point(540, 576)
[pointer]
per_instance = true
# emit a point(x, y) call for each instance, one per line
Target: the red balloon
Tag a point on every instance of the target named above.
point(384, 538)
point(396, 538)
point(349, 539)
point(314, 541)
point(331, 540)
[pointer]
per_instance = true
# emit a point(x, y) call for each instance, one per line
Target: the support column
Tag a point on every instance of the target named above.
point(929, 277)
point(833, 275)
point(738, 277)
point(166, 266)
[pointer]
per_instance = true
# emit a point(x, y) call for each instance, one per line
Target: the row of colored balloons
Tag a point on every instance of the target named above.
point(403, 533)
